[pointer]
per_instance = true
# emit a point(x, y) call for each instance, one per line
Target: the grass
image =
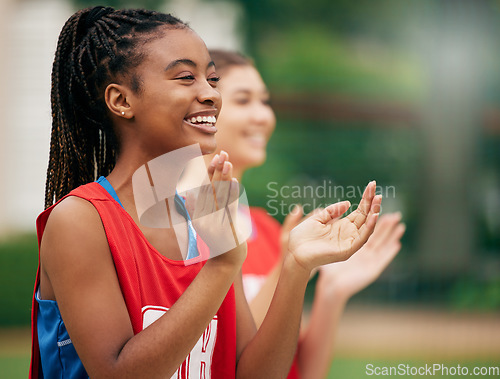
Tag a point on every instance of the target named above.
point(15, 359)
point(14, 367)
point(354, 368)
point(17, 366)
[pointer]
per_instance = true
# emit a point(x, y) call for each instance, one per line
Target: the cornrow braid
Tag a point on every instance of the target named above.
point(95, 46)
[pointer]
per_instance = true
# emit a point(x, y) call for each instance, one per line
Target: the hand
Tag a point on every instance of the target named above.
point(324, 238)
point(215, 212)
point(363, 268)
point(294, 218)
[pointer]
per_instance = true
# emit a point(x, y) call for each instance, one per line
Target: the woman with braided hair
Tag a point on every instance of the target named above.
point(113, 297)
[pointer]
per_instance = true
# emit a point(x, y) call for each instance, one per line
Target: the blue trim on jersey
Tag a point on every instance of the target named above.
point(180, 206)
point(108, 187)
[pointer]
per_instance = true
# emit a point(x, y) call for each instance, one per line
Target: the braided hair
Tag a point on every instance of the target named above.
point(96, 46)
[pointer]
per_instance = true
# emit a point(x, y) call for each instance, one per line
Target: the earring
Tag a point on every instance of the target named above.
point(123, 113)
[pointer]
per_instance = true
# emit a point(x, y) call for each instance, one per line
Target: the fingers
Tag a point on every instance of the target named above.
point(397, 234)
point(332, 212)
point(222, 190)
point(367, 228)
point(392, 245)
point(366, 224)
point(385, 241)
point(367, 198)
point(218, 169)
point(384, 228)
point(212, 165)
point(359, 216)
point(314, 212)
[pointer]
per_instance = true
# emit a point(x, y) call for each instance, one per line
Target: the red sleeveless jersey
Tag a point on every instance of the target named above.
point(151, 284)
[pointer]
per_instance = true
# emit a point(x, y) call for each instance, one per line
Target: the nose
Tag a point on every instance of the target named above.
point(209, 95)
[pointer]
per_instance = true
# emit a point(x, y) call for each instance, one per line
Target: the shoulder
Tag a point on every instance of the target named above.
point(73, 230)
point(73, 214)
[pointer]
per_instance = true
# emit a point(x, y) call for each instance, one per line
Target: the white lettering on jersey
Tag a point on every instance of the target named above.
point(198, 363)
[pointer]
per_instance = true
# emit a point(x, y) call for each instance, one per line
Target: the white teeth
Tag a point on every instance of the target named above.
point(204, 119)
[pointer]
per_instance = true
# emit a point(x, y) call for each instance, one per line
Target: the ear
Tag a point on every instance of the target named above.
point(116, 100)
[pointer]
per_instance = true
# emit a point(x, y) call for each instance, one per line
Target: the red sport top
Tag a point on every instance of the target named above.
point(151, 284)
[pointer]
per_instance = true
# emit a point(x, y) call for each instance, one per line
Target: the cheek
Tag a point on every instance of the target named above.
point(272, 122)
point(230, 122)
point(227, 134)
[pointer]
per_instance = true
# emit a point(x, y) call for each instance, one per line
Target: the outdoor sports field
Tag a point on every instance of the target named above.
point(370, 340)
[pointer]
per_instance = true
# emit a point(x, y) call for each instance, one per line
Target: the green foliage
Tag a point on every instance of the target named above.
point(475, 294)
point(311, 58)
point(18, 264)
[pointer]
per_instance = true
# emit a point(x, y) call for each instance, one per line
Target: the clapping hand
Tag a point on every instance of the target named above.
point(214, 211)
point(351, 276)
point(326, 238)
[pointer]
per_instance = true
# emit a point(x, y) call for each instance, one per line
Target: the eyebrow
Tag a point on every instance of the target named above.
point(187, 62)
point(247, 91)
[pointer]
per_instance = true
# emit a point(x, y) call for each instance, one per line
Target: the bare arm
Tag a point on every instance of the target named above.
point(337, 283)
point(322, 238)
point(271, 352)
point(261, 302)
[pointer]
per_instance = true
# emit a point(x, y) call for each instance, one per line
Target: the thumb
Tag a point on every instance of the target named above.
point(332, 212)
point(293, 218)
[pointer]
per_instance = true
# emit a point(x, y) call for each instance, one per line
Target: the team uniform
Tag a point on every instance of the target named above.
point(264, 252)
point(150, 284)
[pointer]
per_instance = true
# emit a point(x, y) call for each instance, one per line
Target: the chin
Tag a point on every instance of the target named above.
point(208, 148)
point(255, 160)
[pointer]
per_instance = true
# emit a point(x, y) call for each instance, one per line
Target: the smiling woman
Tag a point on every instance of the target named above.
point(177, 82)
point(112, 298)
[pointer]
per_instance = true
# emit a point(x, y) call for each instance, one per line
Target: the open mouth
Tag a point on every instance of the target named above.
point(256, 139)
point(203, 123)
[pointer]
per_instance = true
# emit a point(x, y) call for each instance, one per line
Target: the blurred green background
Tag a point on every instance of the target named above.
point(404, 92)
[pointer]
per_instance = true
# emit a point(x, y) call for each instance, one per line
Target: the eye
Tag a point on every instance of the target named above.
point(185, 77)
point(213, 80)
point(242, 100)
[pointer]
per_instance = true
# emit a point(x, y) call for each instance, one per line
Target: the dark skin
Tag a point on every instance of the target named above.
point(77, 268)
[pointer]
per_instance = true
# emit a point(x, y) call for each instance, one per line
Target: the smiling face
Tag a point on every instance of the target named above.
point(246, 121)
point(176, 104)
